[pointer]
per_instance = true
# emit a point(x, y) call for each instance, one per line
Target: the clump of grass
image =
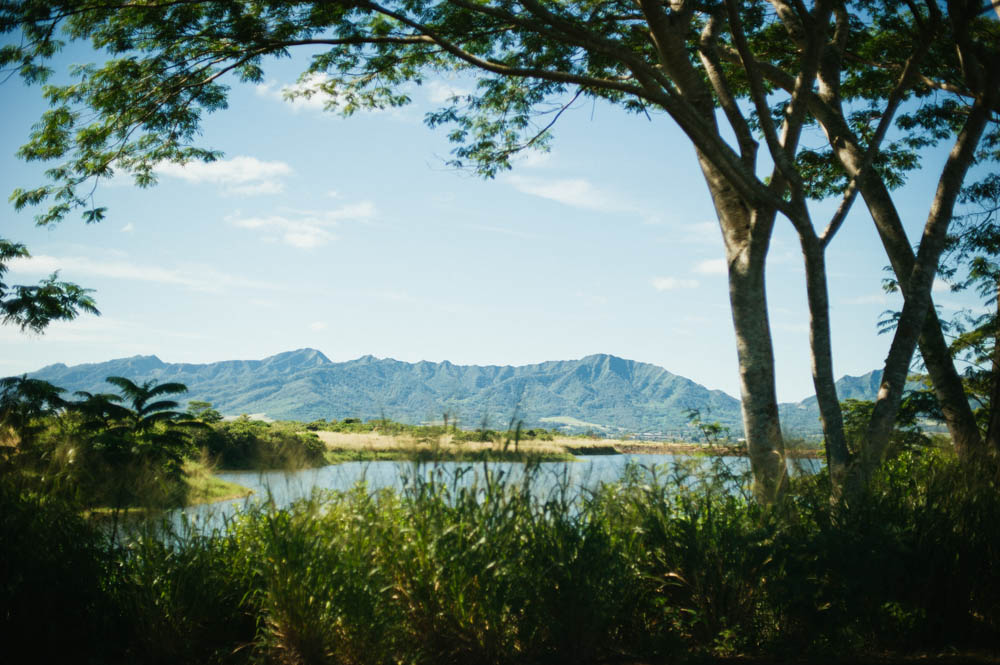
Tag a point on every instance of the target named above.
point(203, 486)
point(185, 596)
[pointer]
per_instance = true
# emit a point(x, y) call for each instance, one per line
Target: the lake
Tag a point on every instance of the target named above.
point(585, 474)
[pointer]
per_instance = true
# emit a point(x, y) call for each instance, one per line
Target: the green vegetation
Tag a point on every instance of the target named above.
point(134, 449)
point(115, 452)
point(427, 432)
point(203, 486)
point(109, 450)
point(657, 567)
point(254, 444)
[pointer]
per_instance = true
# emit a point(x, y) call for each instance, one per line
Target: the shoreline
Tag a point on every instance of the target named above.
point(665, 448)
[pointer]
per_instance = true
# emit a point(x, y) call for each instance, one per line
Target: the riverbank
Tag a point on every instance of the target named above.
point(668, 448)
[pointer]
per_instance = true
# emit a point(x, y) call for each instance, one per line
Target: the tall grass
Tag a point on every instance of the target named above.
point(657, 566)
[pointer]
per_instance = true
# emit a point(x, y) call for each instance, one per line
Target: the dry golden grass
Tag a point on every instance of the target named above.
point(375, 441)
point(560, 445)
point(383, 442)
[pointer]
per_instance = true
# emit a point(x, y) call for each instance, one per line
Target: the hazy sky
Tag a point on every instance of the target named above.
point(354, 237)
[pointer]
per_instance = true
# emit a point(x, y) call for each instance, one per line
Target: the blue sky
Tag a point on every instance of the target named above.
point(354, 237)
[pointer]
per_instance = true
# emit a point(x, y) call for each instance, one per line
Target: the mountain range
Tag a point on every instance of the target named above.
point(599, 392)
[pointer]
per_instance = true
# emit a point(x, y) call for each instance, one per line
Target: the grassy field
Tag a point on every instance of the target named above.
point(348, 446)
point(343, 446)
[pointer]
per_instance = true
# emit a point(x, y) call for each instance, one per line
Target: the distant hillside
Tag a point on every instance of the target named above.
point(615, 394)
point(803, 417)
point(605, 390)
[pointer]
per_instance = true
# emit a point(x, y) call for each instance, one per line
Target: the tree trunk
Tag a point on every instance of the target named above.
point(948, 388)
point(837, 455)
point(945, 379)
point(933, 348)
point(747, 236)
point(761, 424)
point(918, 300)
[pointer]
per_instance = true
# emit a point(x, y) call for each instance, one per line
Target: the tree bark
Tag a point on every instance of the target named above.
point(917, 302)
point(747, 223)
point(762, 427)
point(747, 235)
point(837, 454)
point(933, 348)
point(940, 366)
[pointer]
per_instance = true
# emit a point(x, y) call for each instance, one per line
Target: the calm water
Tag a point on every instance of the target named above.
point(283, 488)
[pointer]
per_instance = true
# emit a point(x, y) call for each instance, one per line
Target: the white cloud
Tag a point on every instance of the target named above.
point(121, 336)
point(192, 277)
point(313, 92)
point(532, 159)
point(581, 193)
point(306, 229)
point(83, 329)
point(870, 299)
point(439, 92)
point(243, 176)
point(128, 228)
point(575, 192)
point(317, 326)
point(712, 267)
point(267, 187)
point(306, 94)
point(236, 171)
point(941, 286)
point(673, 283)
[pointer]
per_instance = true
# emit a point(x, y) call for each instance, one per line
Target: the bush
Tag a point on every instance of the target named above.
point(255, 444)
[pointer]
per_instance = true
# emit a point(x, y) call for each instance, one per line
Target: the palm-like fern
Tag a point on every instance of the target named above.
point(24, 401)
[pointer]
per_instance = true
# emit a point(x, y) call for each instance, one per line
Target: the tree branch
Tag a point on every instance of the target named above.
point(709, 55)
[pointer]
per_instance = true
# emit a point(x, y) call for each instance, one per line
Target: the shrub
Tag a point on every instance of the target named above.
point(255, 444)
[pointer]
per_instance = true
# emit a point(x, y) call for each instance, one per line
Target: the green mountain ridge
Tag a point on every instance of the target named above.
point(621, 395)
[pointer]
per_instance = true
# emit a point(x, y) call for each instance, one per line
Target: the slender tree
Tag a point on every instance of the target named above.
point(939, 63)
